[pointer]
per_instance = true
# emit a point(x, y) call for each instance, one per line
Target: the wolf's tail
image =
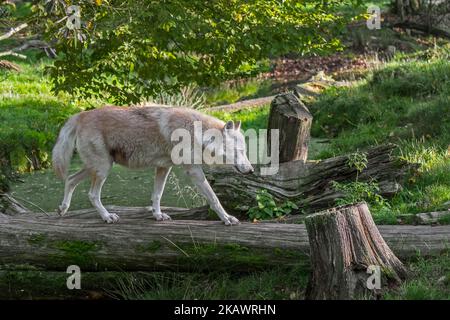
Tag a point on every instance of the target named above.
point(63, 149)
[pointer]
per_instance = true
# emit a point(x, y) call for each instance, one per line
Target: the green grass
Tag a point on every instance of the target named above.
point(429, 279)
point(252, 118)
point(236, 91)
point(279, 283)
point(406, 102)
point(397, 102)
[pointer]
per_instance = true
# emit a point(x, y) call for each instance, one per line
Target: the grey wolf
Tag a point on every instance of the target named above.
point(138, 137)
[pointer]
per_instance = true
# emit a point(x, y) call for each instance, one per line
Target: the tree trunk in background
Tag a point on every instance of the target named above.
point(430, 17)
point(400, 9)
point(406, 7)
point(293, 120)
point(345, 243)
point(309, 184)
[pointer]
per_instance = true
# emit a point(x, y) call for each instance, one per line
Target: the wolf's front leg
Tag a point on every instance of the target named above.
point(161, 175)
point(195, 172)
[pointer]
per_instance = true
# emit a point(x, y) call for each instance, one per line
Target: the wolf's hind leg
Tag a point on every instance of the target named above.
point(161, 174)
point(70, 185)
point(198, 177)
point(98, 179)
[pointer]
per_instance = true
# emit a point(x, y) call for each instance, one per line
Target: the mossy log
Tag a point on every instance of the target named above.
point(309, 184)
point(138, 243)
point(345, 243)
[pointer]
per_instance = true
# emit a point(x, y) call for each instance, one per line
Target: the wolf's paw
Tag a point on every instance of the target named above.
point(162, 217)
point(62, 210)
point(230, 221)
point(111, 218)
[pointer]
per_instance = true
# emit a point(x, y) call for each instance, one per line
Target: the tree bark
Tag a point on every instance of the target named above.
point(345, 243)
point(309, 184)
point(245, 104)
point(5, 64)
point(293, 120)
point(11, 206)
point(424, 28)
point(138, 243)
point(433, 217)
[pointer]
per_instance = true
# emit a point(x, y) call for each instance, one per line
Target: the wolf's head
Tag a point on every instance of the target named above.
point(235, 147)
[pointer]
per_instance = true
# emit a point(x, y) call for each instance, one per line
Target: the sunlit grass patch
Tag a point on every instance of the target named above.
point(236, 91)
point(252, 118)
point(429, 279)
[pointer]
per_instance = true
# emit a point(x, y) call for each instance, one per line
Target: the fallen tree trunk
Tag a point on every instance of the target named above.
point(433, 217)
point(309, 184)
point(245, 104)
point(346, 248)
point(137, 242)
point(424, 28)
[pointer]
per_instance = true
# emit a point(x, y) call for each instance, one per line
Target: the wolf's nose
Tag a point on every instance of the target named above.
point(252, 170)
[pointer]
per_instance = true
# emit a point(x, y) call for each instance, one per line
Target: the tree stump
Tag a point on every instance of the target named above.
point(347, 255)
point(293, 120)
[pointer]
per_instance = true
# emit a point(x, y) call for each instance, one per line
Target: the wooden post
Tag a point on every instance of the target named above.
point(347, 253)
point(293, 120)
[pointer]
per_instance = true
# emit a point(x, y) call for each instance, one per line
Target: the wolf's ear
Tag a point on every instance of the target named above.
point(237, 125)
point(229, 125)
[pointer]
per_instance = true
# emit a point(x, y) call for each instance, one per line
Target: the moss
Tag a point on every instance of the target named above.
point(76, 247)
point(210, 256)
point(75, 252)
point(285, 252)
point(19, 267)
point(407, 218)
point(444, 220)
point(37, 239)
point(211, 214)
point(152, 247)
